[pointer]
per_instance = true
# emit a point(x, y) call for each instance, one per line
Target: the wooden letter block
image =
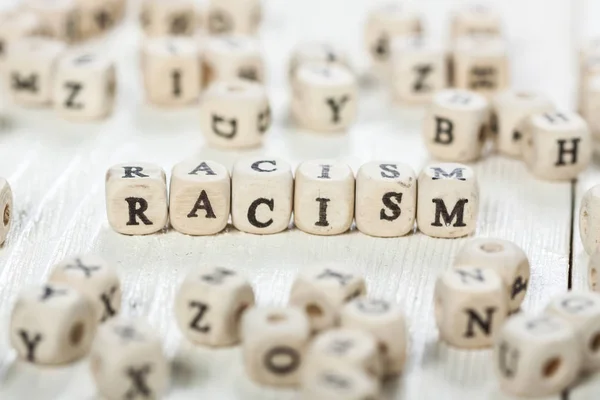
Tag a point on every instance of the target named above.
point(262, 195)
point(98, 17)
point(507, 259)
point(386, 322)
point(85, 86)
point(235, 114)
point(325, 97)
point(310, 52)
point(448, 200)
point(321, 291)
point(172, 73)
point(536, 355)
point(136, 198)
point(93, 277)
point(31, 67)
point(340, 383)
point(476, 19)
point(557, 145)
point(386, 199)
point(16, 24)
point(127, 361)
point(274, 340)
point(233, 57)
point(209, 306)
point(234, 16)
point(6, 208)
point(455, 125)
point(509, 110)
point(470, 306)
point(324, 197)
point(52, 324)
point(200, 197)
point(60, 18)
point(172, 17)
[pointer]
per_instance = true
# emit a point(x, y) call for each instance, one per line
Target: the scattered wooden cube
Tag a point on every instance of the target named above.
point(98, 17)
point(60, 18)
point(173, 17)
point(230, 57)
point(476, 19)
point(233, 16)
point(343, 383)
point(14, 25)
point(6, 208)
point(309, 52)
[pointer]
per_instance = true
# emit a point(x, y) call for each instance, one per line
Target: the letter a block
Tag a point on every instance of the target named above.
point(448, 200)
point(136, 198)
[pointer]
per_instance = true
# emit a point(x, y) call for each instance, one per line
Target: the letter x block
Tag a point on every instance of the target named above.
point(136, 198)
point(448, 200)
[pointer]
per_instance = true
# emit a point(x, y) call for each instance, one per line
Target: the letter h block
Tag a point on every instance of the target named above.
point(448, 200)
point(136, 198)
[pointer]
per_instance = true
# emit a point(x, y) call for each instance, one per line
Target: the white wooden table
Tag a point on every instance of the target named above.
point(57, 171)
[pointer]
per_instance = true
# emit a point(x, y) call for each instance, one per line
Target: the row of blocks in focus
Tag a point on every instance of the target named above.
point(386, 198)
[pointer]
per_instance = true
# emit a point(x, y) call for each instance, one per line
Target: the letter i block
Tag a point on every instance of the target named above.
point(136, 198)
point(448, 200)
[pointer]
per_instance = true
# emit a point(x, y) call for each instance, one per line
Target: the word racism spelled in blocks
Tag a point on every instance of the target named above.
point(325, 197)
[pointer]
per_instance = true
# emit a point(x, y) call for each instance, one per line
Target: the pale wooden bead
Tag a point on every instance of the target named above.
point(309, 52)
point(481, 64)
point(582, 311)
point(172, 17)
point(85, 86)
point(209, 306)
point(136, 198)
point(340, 383)
point(127, 361)
point(386, 199)
point(510, 107)
point(448, 200)
point(325, 97)
point(16, 24)
point(324, 197)
point(507, 259)
point(455, 125)
point(591, 106)
point(274, 341)
point(6, 208)
point(230, 57)
point(419, 69)
point(52, 324)
point(344, 347)
point(235, 114)
point(97, 17)
point(199, 197)
point(94, 278)
point(470, 306)
point(536, 355)
point(476, 19)
point(31, 67)
point(589, 220)
point(172, 70)
point(557, 145)
point(322, 290)
point(262, 195)
point(233, 16)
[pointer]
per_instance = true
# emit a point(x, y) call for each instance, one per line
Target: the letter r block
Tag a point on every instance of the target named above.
point(448, 200)
point(136, 198)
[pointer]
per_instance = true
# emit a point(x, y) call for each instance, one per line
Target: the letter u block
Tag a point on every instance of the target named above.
point(448, 202)
point(136, 198)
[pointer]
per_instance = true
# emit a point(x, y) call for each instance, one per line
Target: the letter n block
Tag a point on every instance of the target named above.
point(448, 200)
point(136, 198)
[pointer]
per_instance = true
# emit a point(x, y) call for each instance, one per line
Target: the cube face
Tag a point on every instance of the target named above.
point(136, 198)
point(342, 383)
point(507, 259)
point(231, 57)
point(235, 114)
point(589, 220)
point(15, 25)
point(200, 197)
point(533, 355)
point(160, 18)
point(52, 324)
point(59, 17)
point(6, 208)
point(386, 199)
point(324, 197)
point(315, 52)
point(210, 304)
point(274, 344)
point(455, 125)
point(557, 145)
point(233, 16)
point(93, 277)
point(476, 19)
point(470, 306)
point(262, 195)
point(448, 200)
point(172, 73)
point(97, 17)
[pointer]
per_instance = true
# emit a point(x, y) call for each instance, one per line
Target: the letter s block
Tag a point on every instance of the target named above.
point(448, 202)
point(136, 198)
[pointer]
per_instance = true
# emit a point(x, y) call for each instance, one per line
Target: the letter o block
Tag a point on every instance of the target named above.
point(136, 198)
point(448, 200)
point(455, 125)
point(200, 197)
point(386, 199)
point(324, 197)
point(262, 195)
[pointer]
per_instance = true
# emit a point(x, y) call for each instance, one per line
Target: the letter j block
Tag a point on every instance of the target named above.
point(136, 198)
point(448, 200)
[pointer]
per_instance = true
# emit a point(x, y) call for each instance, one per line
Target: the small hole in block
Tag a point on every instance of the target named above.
point(313, 310)
point(492, 247)
point(6, 215)
point(551, 367)
point(77, 333)
point(276, 318)
point(595, 343)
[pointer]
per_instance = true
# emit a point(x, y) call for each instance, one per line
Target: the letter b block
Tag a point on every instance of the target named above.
point(136, 198)
point(448, 200)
